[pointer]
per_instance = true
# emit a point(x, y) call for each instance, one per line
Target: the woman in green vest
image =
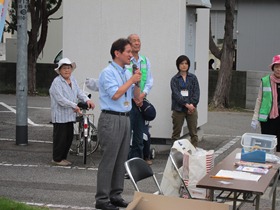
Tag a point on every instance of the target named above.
point(267, 106)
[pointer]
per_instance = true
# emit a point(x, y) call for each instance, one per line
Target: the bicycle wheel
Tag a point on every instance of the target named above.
point(76, 143)
point(93, 141)
point(74, 146)
point(84, 149)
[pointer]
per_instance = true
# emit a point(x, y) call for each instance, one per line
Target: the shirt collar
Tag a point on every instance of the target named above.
point(133, 60)
point(179, 75)
point(118, 67)
point(62, 79)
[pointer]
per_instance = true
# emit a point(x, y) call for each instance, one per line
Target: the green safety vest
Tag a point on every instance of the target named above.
point(143, 69)
point(266, 103)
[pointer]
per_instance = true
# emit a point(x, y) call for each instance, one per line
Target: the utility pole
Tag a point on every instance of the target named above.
point(21, 83)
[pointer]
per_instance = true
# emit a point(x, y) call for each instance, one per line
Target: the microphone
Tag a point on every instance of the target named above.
point(134, 68)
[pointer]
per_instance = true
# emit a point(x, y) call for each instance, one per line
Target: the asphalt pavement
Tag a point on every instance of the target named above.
point(28, 176)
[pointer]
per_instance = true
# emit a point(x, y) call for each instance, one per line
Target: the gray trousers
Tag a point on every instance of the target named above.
point(114, 136)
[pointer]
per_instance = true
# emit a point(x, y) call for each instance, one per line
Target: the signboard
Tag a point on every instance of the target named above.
point(3, 9)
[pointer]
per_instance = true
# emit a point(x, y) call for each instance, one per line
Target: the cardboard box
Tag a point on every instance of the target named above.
point(146, 201)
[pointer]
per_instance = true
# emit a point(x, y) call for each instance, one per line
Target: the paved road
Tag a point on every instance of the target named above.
point(27, 175)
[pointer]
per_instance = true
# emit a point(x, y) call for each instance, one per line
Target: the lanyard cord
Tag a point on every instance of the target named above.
point(123, 80)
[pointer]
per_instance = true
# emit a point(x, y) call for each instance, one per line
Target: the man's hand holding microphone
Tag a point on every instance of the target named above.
point(136, 79)
point(136, 75)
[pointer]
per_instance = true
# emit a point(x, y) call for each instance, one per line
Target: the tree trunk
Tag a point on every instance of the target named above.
point(221, 94)
point(32, 58)
point(32, 74)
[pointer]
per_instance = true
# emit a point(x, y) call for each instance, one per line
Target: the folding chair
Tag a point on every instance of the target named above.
point(176, 158)
point(138, 170)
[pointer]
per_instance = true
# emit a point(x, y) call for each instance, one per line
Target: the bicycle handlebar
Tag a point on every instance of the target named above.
point(83, 105)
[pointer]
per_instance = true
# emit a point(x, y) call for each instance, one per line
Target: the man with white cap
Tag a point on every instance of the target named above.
point(65, 93)
point(267, 106)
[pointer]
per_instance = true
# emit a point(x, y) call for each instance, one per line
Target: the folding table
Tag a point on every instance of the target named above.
point(240, 190)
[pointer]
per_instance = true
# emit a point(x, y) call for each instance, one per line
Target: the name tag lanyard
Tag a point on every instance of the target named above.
point(183, 86)
point(124, 80)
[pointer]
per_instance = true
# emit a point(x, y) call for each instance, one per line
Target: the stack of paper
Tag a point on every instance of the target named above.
point(238, 175)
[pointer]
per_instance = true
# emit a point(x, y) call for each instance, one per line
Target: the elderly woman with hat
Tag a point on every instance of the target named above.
point(267, 106)
point(65, 93)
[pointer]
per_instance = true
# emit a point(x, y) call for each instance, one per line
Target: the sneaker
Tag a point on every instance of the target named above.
point(60, 163)
point(68, 162)
point(149, 162)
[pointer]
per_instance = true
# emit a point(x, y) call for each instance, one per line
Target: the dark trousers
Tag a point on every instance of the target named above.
point(178, 122)
point(137, 124)
point(62, 139)
point(272, 127)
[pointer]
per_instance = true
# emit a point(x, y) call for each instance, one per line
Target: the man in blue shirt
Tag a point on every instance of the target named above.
point(116, 89)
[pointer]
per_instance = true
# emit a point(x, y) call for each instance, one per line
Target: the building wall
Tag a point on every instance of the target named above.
point(252, 88)
point(258, 34)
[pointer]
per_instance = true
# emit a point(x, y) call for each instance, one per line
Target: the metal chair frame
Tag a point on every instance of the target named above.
point(138, 170)
point(176, 158)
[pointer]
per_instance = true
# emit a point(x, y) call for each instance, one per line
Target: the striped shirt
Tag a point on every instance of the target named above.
point(64, 99)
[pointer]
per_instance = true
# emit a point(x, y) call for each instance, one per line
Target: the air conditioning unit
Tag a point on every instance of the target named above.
point(199, 3)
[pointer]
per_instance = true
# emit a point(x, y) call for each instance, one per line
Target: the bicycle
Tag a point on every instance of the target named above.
point(85, 141)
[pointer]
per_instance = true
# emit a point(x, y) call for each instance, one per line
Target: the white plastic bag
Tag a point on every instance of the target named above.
point(170, 183)
point(195, 166)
